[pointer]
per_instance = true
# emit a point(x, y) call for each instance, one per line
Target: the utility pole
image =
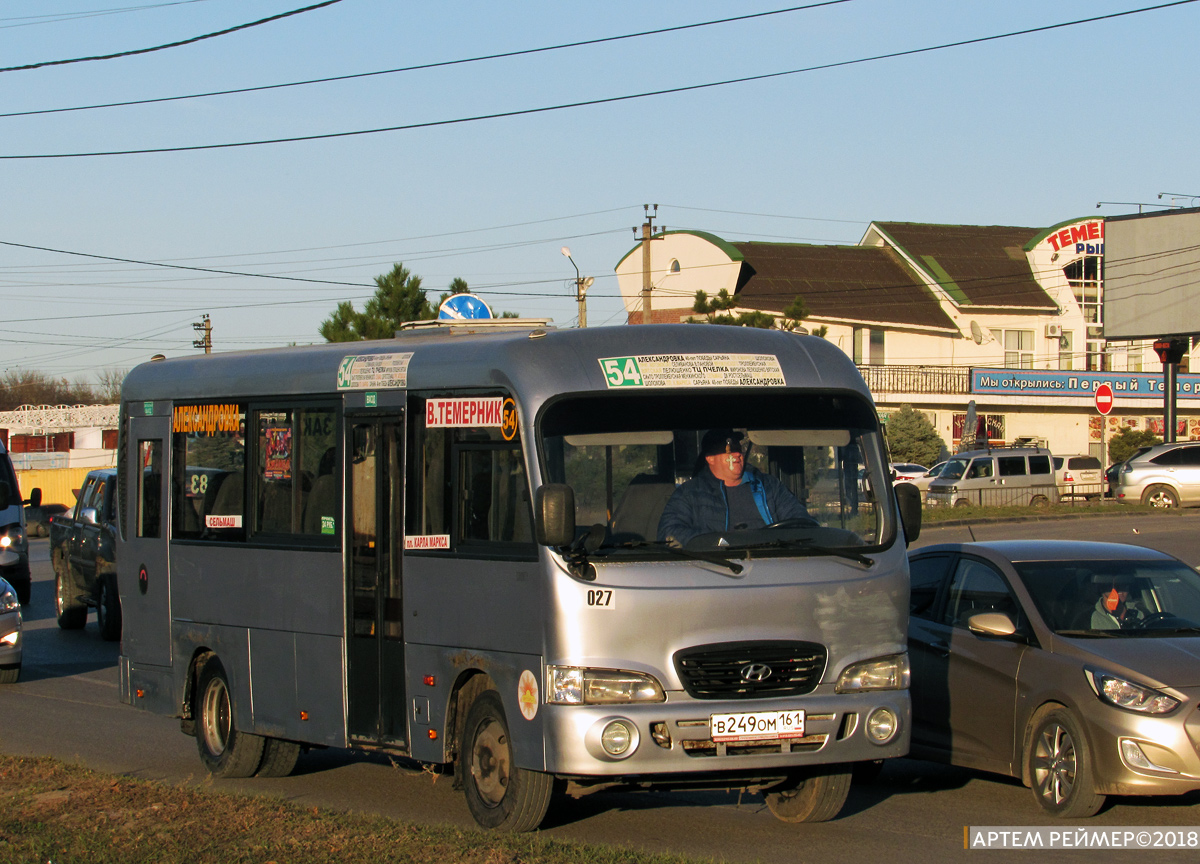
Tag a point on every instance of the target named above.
point(581, 286)
point(203, 326)
point(647, 236)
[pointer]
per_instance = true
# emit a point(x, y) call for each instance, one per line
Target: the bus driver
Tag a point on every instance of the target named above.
point(725, 493)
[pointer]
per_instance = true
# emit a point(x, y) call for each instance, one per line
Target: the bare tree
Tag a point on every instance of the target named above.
point(108, 385)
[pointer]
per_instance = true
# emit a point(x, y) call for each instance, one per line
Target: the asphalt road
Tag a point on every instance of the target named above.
point(67, 705)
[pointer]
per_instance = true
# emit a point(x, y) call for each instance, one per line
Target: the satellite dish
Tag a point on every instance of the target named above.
point(976, 332)
point(462, 307)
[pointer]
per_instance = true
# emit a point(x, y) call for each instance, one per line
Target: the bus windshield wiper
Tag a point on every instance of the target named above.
point(806, 544)
point(678, 551)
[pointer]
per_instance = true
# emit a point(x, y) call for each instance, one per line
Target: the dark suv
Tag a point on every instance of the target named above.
point(1165, 475)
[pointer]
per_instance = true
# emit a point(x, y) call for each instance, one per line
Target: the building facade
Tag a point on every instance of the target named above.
point(939, 316)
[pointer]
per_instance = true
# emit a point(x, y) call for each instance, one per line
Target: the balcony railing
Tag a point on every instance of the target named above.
point(937, 380)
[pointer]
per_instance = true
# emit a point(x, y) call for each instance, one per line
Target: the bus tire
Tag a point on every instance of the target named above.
point(279, 757)
point(108, 608)
point(70, 611)
point(225, 750)
point(816, 797)
point(499, 795)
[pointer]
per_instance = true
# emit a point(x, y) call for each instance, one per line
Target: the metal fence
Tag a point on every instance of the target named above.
point(1000, 496)
point(934, 380)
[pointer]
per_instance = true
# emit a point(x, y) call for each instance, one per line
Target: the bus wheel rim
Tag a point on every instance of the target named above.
point(489, 763)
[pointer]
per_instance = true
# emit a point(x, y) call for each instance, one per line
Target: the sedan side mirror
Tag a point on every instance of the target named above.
point(908, 497)
point(992, 624)
point(555, 514)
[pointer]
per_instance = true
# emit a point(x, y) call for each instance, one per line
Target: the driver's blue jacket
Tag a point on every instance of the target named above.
point(701, 506)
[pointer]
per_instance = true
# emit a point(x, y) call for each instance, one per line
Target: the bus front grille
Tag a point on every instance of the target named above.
point(750, 670)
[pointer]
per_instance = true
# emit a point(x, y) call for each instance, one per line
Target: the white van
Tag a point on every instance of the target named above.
point(996, 477)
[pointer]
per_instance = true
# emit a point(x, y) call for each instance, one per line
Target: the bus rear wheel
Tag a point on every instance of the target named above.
point(225, 750)
point(816, 797)
point(499, 795)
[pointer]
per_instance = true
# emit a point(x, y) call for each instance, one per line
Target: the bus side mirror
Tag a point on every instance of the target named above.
point(5, 494)
point(555, 506)
point(908, 497)
point(35, 497)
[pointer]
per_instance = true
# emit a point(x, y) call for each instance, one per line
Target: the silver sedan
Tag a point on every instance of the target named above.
point(1072, 666)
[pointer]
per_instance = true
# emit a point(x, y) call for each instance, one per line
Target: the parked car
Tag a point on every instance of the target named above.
point(906, 472)
point(10, 632)
point(1078, 476)
point(998, 476)
point(1165, 475)
point(82, 552)
point(1069, 665)
point(37, 519)
point(928, 477)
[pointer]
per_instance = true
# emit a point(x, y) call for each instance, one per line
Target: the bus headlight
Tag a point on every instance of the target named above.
point(882, 673)
point(573, 685)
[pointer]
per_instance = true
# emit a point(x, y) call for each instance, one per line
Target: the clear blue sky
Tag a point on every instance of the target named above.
point(1030, 130)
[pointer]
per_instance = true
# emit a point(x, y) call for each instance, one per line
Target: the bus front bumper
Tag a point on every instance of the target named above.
point(675, 738)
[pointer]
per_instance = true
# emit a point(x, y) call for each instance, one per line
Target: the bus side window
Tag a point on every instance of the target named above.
point(493, 496)
point(149, 505)
point(207, 477)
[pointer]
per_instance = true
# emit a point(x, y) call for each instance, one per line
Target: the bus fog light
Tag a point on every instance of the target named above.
point(882, 725)
point(616, 738)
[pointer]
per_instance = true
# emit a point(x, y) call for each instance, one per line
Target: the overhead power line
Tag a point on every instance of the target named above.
point(603, 101)
point(59, 17)
point(423, 66)
point(177, 44)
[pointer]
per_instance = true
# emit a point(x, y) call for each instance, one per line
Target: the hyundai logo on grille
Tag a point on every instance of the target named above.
point(755, 672)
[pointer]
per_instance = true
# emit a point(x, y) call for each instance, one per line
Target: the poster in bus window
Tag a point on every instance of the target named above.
point(278, 449)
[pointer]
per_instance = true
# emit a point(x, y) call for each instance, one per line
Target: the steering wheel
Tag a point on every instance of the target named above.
point(1153, 616)
point(796, 522)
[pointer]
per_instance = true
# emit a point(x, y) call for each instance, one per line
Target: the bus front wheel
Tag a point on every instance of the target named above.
point(499, 794)
point(816, 797)
point(225, 750)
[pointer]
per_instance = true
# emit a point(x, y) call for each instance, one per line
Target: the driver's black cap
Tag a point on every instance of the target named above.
point(717, 441)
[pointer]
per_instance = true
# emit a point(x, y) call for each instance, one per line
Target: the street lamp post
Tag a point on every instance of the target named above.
point(581, 286)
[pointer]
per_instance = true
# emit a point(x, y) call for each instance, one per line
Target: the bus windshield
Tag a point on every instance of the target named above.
point(817, 458)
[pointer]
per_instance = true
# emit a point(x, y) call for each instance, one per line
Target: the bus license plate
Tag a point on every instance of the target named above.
point(761, 726)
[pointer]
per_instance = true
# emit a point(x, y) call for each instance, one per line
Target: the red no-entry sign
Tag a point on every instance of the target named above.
point(1104, 398)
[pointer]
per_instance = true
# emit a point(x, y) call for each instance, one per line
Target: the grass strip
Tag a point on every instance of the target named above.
point(55, 812)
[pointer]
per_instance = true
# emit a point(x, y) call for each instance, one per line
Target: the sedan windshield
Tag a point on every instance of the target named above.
point(780, 473)
point(1115, 598)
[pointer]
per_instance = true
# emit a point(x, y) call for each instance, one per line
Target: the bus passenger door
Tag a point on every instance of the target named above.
point(375, 638)
point(143, 583)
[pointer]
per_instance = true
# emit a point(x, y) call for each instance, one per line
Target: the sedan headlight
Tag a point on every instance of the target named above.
point(1130, 696)
point(882, 673)
point(574, 685)
point(8, 598)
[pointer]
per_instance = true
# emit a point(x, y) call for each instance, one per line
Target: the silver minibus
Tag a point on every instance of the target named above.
point(449, 546)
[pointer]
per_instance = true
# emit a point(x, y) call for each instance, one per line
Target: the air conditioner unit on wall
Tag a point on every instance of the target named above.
point(1053, 331)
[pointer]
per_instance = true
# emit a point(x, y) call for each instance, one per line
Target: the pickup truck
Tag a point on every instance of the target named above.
point(82, 544)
